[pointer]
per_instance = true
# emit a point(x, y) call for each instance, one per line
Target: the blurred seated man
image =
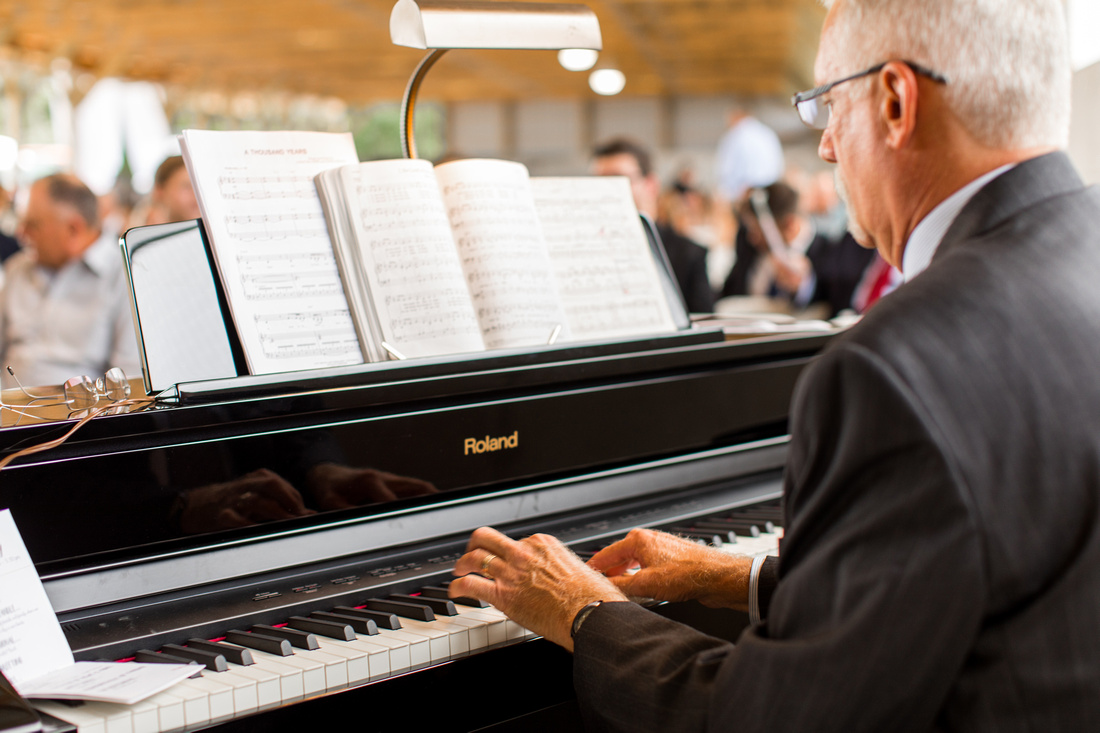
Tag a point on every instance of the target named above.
point(623, 157)
point(173, 196)
point(811, 269)
point(65, 308)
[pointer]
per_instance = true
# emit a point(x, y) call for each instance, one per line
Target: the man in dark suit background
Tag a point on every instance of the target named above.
point(815, 270)
point(622, 157)
point(941, 564)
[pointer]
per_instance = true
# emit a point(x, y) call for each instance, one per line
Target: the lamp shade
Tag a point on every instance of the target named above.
point(513, 25)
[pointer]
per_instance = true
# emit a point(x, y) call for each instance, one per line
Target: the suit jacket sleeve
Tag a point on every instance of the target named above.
point(879, 598)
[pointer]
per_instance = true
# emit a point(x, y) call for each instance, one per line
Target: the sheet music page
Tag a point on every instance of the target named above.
point(261, 211)
point(408, 259)
point(603, 266)
point(502, 252)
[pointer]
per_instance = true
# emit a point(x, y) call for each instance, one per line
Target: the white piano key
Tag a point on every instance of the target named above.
point(313, 672)
point(169, 711)
point(219, 695)
point(357, 665)
point(246, 696)
point(495, 627)
point(400, 650)
point(145, 717)
point(336, 667)
point(420, 654)
point(196, 703)
point(268, 686)
point(291, 676)
point(457, 636)
point(378, 656)
point(86, 721)
point(439, 644)
point(478, 630)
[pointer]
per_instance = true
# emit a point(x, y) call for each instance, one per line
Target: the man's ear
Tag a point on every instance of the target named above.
point(75, 226)
point(898, 107)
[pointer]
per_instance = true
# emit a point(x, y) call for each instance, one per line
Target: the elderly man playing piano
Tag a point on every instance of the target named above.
point(941, 564)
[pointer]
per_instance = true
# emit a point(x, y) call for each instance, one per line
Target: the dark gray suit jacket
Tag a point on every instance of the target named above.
point(941, 567)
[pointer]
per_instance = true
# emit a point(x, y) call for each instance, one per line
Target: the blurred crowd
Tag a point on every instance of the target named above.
point(765, 238)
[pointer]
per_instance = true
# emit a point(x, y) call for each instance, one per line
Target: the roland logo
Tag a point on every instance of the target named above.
point(488, 445)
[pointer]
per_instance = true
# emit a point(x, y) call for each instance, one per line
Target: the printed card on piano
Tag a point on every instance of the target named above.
point(475, 254)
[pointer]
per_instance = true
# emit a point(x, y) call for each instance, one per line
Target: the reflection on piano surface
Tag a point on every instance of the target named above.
point(310, 527)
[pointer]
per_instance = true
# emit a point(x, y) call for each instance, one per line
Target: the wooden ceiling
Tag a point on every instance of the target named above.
point(341, 48)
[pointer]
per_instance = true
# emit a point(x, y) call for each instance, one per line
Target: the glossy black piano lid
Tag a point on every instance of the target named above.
point(187, 477)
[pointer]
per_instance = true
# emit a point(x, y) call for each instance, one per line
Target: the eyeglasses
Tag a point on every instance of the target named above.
point(82, 393)
point(816, 114)
point(82, 396)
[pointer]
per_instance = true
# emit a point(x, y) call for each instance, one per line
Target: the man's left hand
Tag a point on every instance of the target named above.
point(537, 582)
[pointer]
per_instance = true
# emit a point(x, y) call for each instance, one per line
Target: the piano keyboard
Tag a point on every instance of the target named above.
point(272, 665)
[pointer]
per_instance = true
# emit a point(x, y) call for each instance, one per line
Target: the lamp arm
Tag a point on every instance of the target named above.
point(408, 102)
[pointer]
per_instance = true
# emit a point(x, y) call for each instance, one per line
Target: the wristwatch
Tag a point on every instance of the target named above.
point(581, 616)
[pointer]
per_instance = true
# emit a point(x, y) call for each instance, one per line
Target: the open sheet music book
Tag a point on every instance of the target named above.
point(467, 256)
point(474, 254)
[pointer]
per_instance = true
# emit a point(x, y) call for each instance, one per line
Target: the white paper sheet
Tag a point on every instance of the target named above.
point(31, 641)
point(125, 682)
point(261, 211)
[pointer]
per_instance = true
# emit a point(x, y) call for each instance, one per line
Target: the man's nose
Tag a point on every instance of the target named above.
point(825, 147)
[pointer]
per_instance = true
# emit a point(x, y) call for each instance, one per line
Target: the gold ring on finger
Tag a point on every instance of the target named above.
point(485, 563)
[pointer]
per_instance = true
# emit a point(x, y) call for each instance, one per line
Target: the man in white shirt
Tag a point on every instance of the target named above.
point(65, 308)
point(749, 155)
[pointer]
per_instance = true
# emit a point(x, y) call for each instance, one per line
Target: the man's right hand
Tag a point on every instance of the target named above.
point(675, 569)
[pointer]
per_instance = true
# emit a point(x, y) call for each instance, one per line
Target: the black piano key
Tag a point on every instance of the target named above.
point(260, 642)
point(148, 656)
point(722, 533)
point(709, 538)
point(773, 515)
point(401, 608)
point(383, 619)
point(363, 626)
point(328, 629)
point(214, 661)
point(745, 529)
point(232, 653)
point(300, 639)
point(438, 591)
point(442, 606)
point(762, 524)
point(749, 525)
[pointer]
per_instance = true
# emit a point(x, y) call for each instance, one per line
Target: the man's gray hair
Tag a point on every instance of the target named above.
point(1007, 60)
point(68, 190)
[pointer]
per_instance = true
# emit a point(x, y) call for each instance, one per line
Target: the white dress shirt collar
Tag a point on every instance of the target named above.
point(926, 237)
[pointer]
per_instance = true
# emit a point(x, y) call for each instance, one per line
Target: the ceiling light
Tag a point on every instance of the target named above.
point(607, 82)
point(577, 59)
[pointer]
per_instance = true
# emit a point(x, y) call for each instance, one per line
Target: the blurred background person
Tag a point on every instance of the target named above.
point(173, 197)
point(804, 269)
point(65, 306)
